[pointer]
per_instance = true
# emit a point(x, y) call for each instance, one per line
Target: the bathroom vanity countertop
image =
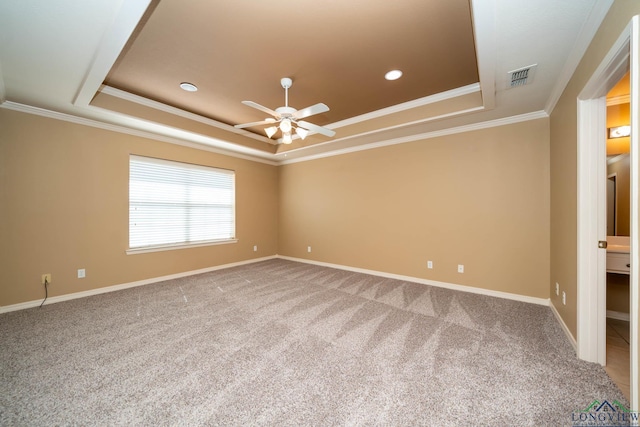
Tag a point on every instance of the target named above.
point(618, 249)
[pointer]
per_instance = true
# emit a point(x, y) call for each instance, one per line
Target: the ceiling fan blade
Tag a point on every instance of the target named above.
point(252, 124)
point(316, 128)
point(262, 108)
point(310, 111)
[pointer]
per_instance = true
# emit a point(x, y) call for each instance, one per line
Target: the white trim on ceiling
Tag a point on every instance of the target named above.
point(264, 157)
point(374, 131)
point(113, 41)
point(204, 143)
point(416, 103)
point(420, 102)
point(428, 135)
point(128, 96)
point(587, 32)
point(484, 30)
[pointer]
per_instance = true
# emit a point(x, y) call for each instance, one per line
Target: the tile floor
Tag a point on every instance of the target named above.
point(618, 354)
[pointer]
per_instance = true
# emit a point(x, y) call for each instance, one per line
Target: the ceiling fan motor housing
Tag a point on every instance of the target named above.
point(286, 111)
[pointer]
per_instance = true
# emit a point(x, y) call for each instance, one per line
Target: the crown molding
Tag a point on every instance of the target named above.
point(427, 135)
point(204, 145)
point(274, 161)
point(420, 102)
point(127, 96)
point(374, 131)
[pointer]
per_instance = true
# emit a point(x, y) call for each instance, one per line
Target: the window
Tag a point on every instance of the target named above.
point(173, 205)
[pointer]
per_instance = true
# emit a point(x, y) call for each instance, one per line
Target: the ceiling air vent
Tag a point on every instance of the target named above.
point(521, 76)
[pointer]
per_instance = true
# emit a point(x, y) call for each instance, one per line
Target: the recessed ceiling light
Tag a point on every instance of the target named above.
point(393, 75)
point(189, 87)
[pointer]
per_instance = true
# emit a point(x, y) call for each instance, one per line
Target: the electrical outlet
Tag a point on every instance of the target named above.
point(81, 273)
point(46, 278)
point(460, 268)
point(564, 298)
point(308, 248)
point(255, 248)
point(557, 288)
point(429, 264)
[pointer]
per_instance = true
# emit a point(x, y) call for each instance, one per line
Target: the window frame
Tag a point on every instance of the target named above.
point(185, 244)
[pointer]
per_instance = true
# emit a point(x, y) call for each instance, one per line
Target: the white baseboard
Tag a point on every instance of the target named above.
point(455, 287)
point(565, 328)
point(75, 295)
point(618, 315)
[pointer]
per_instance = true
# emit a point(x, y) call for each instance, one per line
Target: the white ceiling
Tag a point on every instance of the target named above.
point(54, 56)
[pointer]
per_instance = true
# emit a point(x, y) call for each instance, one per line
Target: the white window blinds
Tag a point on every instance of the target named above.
point(177, 204)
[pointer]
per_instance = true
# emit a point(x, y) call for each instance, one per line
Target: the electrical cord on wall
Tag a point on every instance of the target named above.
point(46, 291)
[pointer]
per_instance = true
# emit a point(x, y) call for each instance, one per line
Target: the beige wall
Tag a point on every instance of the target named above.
point(64, 206)
point(564, 164)
point(480, 199)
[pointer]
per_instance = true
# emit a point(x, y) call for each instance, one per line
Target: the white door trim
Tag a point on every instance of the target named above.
point(591, 286)
point(635, 212)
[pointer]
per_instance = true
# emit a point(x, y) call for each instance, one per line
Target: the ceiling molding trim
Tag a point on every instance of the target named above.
point(427, 135)
point(204, 144)
point(128, 96)
point(617, 100)
point(483, 14)
point(374, 131)
point(586, 34)
point(420, 102)
point(113, 41)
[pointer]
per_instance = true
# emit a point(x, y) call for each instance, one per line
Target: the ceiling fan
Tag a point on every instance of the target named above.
point(288, 118)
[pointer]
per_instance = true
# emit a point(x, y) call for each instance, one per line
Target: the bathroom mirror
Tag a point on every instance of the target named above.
point(618, 192)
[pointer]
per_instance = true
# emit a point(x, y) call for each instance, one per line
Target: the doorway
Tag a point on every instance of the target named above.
point(618, 209)
point(592, 183)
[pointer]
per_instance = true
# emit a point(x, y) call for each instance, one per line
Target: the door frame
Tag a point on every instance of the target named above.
point(591, 261)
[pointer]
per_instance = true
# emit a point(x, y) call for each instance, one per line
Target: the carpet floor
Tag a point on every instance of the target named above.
point(290, 344)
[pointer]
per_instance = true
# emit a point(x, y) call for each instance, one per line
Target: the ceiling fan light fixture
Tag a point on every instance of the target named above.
point(285, 125)
point(270, 131)
point(287, 119)
point(302, 133)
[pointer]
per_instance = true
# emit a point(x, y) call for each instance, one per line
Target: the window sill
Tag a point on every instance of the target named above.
point(178, 246)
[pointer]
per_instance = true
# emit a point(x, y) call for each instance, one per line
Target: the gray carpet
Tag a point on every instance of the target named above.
point(289, 344)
